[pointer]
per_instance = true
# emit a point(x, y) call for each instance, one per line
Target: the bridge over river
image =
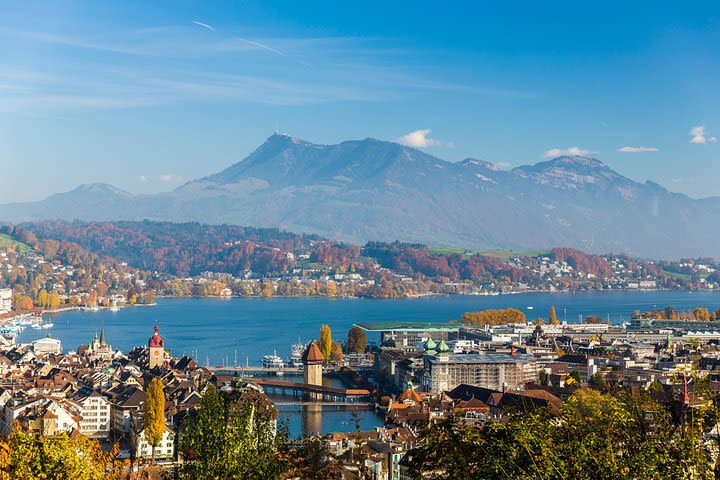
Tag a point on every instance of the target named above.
point(332, 394)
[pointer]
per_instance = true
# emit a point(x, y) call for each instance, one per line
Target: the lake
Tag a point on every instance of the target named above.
point(212, 330)
point(216, 330)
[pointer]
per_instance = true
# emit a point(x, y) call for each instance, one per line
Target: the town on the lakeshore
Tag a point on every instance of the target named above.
point(487, 369)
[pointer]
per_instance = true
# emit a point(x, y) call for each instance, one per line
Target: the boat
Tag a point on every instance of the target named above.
point(36, 326)
point(47, 325)
point(296, 353)
point(272, 361)
point(530, 308)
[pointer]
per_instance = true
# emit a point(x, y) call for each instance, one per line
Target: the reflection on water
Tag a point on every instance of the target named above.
point(314, 418)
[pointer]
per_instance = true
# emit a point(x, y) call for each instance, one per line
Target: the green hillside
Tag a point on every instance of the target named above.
point(6, 241)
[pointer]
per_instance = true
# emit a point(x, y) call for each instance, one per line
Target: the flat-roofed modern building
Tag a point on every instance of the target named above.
point(444, 371)
point(408, 335)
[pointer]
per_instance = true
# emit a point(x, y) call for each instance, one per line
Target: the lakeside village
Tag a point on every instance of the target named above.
point(58, 275)
point(419, 374)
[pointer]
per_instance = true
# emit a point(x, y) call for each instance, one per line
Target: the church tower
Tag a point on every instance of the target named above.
point(312, 365)
point(157, 349)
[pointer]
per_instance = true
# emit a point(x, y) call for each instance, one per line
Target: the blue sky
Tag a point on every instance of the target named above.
point(139, 95)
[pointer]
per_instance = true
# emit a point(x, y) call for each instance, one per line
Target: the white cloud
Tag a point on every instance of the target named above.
point(170, 178)
point(503, 165)
point(637, 149)
point(698, 134)
point(143, 178)
point(418, 139)
point(712, 139)
point(557, 152)
point(676, 180)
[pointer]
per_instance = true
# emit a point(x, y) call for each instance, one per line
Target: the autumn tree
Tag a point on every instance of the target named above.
point(494, 317)
point(22, 302)
point(154, 420)
point(26, 456)
point(267, 289)
point(356, 340)
point(336, 353)
point(325, 343)
point(552, 319)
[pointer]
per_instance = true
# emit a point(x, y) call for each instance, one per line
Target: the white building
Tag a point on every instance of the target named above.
point(164, 450)
point(47, 345)
point(5, 300)
point(95, 414)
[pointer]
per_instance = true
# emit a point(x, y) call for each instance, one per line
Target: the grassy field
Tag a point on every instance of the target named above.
point(683, 276)
point(497, 253)
point(6, 241)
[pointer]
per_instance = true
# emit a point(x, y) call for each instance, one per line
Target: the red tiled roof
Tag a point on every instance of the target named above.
point(313, 353)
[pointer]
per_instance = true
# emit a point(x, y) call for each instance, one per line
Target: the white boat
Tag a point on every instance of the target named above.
point(530, 308)
point(36, 326)
point(296, 353)
point(47, 325)
point(272, 361)
point(114, 309)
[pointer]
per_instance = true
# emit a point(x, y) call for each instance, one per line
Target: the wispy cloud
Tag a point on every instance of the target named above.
point(205, 25)
point(558, 152)
point(177, 64)
point(142, 178)
point(418, 139)
point(636, 149)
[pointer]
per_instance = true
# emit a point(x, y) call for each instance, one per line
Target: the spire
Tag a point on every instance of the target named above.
point(102, 334)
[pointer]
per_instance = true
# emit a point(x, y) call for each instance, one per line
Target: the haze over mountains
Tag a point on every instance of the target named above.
point(368, 189)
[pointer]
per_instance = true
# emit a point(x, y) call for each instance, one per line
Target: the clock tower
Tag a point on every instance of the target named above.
point(157, 349)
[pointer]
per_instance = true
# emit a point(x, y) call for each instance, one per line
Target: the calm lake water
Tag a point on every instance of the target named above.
point(216, 330)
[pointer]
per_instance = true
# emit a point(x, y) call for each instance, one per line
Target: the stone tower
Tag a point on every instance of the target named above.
point(157, 349)
point(312, 365)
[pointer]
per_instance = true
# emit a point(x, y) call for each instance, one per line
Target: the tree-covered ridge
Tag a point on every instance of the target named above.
point(284, 263)
point(183, 249)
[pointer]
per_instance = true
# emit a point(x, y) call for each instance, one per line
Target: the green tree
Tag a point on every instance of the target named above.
point(325, 343)
point(553, 317)
point(232, 438)
point(597, 381)
point(544, 380)
point(154, 420)
point(575, 375)
point(593, 436)
point(356, 340)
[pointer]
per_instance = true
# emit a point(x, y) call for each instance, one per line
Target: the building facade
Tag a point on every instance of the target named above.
point(95, 413)
point(5, 300)
point(444, 372)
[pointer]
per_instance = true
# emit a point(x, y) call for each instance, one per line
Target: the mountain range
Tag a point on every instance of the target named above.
point(369, 189)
